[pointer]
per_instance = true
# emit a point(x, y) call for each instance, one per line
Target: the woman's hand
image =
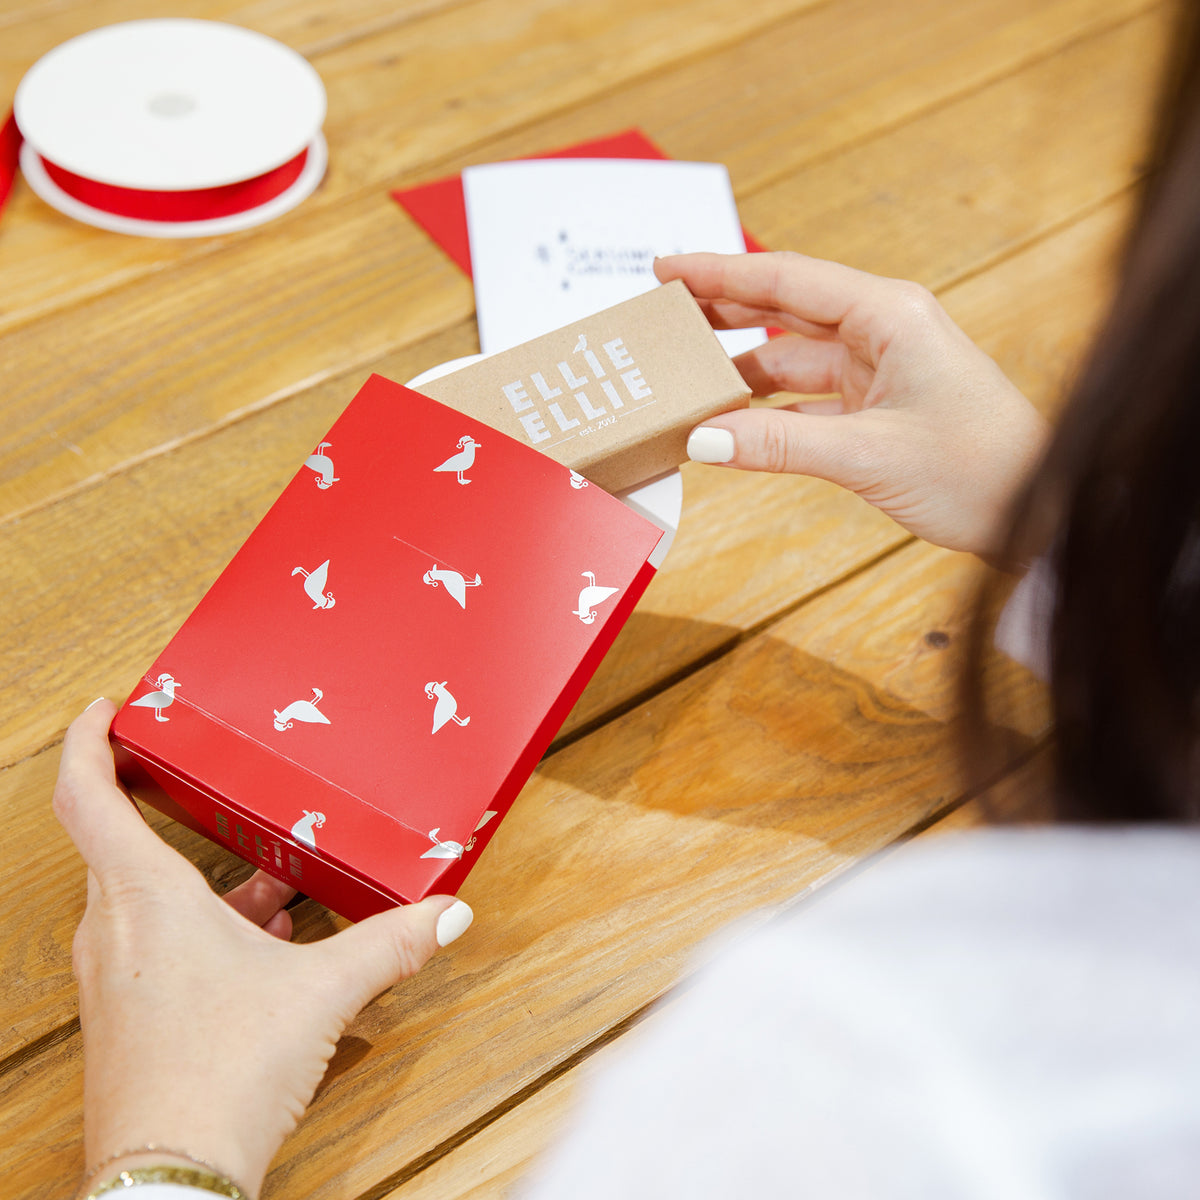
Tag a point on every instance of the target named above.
point(928, 428)
point(205, 1030)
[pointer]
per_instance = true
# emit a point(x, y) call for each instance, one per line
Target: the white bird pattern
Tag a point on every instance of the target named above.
point(302, 710)
point(323, 465)
point(441, 849)
point(446, 708)
point(302, 831)
point(578, 481)
point(314, 585)
point(164, 697)
point(464, 460)
point(453, 582)
point(591, 596)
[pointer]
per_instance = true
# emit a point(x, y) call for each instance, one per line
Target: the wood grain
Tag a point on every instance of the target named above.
point(311, 300)
point(492, 1164)
point(1033, 312)
point(900, 61)
point(421, 84)
point(780, 708)
point(809, 765)
point(80, 623)
point(906, 204)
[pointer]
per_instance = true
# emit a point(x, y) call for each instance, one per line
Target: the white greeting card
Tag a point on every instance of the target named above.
point(554, 240)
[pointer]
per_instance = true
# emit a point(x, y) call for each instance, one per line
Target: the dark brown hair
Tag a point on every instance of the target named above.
point(1116, 504)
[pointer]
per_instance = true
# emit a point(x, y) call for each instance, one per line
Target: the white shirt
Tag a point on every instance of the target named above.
point(1002, 1015)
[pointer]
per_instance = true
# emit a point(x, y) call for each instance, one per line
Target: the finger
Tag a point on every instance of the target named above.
point(783, 282)
point(793, 363)
point(731, 314)
point(781, 440)
point(280, 925)
point(95, 810)
point(259, 898)
point(378, 952)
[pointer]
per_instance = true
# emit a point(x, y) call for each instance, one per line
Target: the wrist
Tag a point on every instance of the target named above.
point(146, 1164)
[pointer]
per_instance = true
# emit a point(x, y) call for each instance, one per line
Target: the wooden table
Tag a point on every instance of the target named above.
point(780, 706)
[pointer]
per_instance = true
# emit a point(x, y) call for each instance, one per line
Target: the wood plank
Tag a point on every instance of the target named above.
point(821, 728)
point(309, 26)
point(987, 173)
point(923, 677)
point(493, 1162)
point(314, 299)
point(1023, 797)
point(77, 626)
point(396, 99)
point(900, 61)
point(490, 1164)
point(813, 766)
point(835, 75)
point(702, 599)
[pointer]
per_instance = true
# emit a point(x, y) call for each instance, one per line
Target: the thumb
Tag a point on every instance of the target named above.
point(381, 950)
point(784, 441)
point(102, 821)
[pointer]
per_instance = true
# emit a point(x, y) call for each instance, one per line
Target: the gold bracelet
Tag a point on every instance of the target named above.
point(221, 1185)
point(202, 1175)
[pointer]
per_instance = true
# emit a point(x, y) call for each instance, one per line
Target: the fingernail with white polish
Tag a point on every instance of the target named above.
point(95, 702)
point(710, 445)
point(454, 922)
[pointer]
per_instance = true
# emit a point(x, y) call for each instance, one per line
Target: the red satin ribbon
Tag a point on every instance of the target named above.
point(10, 149)
point(195, 204)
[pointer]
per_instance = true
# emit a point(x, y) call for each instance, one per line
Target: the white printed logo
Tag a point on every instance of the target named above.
point(323, 465)
point(302, 831)
point(591, 596)
point(614, 381)
point(314, 585)
point(453, 582)
point(464, 460)
point(159, 700)
point(301, 710)
point(578, 481)
point(446, 708)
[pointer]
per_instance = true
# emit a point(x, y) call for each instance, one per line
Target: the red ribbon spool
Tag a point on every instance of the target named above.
point(197, 204)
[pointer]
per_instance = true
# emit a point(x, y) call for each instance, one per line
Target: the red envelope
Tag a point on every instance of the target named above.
point(439, 207)
point(360, 696)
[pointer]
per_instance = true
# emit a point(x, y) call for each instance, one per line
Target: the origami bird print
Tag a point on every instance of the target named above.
point(454, 583)
point(302, 831)
point(323, 465)
point(164, 697)
point(464, 460)
point(590, 596)
point(441, 849)
point(487, 816)
point(302, 710)
point(446, 708)
point(314, 585)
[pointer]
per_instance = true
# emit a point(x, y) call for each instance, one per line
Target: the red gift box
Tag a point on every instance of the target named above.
point(355, 703)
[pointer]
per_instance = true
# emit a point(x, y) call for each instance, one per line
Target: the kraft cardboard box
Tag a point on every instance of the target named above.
point(613, 396)
point(357, 700)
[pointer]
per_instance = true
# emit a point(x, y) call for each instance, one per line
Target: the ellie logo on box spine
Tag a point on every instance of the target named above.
point(584, 392)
